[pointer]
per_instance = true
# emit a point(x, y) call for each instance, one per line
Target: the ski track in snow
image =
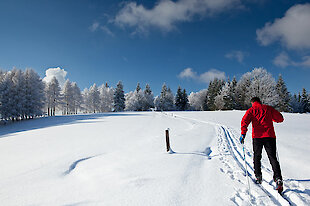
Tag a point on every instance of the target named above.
point(231, 155)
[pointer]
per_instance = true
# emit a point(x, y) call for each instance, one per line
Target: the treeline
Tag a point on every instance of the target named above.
point(230, 95)
point(24, 95)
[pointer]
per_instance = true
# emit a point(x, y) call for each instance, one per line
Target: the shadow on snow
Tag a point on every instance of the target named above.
point(26, 125)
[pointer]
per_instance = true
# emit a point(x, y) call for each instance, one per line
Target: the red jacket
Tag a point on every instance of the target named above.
point(262, 118)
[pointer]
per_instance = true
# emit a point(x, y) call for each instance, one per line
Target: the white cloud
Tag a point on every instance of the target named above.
point(283, 60)
point(106, 30)
point(211, 75)
point(306, 61)
point(292, 30)
point(238, 55)
point(205, 77)
point(188, 73)
point(57, 72)
point(97, 26)
point(167, 13)
point(94, 26)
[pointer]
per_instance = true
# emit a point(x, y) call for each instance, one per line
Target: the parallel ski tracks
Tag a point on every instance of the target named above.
point(236, 152)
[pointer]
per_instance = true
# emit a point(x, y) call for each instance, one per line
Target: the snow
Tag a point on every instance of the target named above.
point(121, 159)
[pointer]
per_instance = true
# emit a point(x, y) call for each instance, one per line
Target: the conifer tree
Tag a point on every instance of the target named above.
point(284, 96)
point(305, 101)
point(179, 102)
point(165, 102)
point(148, 97)
point(295, 104)
point(214, 89)
point(224, 100)
point(119, 98)
point(169, 100)
point(185, 100)
point(241, 91)
point(138, 88)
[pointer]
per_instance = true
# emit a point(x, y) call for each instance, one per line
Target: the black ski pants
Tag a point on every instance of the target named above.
point(271, 149)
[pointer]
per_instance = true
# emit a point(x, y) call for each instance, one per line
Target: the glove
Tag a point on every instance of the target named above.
point(242, 137)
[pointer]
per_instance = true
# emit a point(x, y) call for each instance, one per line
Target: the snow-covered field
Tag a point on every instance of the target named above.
point(121, 159)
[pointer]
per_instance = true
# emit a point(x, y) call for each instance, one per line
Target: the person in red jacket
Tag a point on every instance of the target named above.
point(262, 117)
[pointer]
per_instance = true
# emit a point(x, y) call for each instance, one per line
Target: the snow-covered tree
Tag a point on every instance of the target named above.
point(214, 89)
point(295, 104)
point(225, 100)
point(139, 98)
point(135, 100)
point(77, 98)
point(53, 96)
point(94, 98)
point(18, 95)
point(138, 88)
point(119, 98)
point(257, 83)
point(67, 92)
point(233, 94)
point(169, 105)
point(148, 98)
point(21, 95)
point(242, 90)
point(165, 102)
point(222, 100)
point(34, 94)
point(6, 96)
point(284, 96)
point(130, 101)
point(1, 84)
point(197, 99)
point(106, 98)
point(86, 103)
point(305, 101)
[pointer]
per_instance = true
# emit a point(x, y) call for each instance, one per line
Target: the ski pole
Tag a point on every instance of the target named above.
point(246, 169)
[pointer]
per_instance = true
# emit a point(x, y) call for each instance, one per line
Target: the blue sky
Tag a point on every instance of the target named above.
point(155, 41)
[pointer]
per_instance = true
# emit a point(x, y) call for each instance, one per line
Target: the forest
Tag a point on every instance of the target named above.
point(24, 95)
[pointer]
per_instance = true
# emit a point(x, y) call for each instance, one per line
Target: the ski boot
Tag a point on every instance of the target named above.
point(279, 185)
point(259, 179)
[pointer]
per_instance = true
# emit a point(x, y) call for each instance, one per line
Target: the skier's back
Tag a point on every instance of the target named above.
point(263, 134)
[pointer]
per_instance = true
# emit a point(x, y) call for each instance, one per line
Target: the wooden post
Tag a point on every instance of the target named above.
point(167, 140)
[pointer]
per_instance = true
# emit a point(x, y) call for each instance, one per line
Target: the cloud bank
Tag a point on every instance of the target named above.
point(167, 13)
point(283, 60)
point(292, 30)
point(205, 77)
point(57, 72)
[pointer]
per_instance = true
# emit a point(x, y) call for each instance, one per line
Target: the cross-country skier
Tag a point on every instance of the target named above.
point(262, 118)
